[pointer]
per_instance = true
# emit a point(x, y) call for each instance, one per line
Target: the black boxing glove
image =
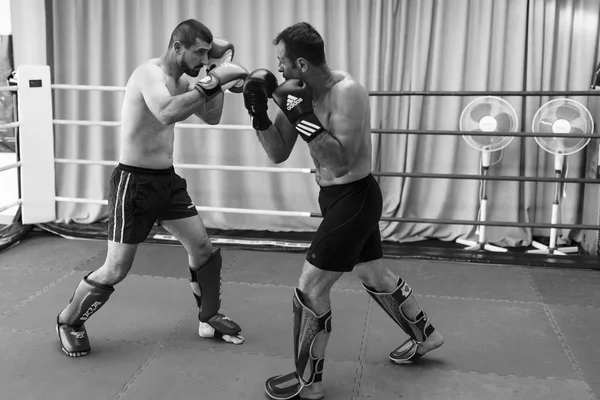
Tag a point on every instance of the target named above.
point(294, 97)
point(258, 88)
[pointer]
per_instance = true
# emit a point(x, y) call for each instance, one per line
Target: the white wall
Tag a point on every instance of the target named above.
point(28, 32)
point(5, 25)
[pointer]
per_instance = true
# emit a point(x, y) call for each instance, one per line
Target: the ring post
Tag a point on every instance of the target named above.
point(36, 144)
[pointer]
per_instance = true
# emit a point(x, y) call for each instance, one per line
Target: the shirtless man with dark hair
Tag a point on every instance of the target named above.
point(144, 187)
point(330, 111)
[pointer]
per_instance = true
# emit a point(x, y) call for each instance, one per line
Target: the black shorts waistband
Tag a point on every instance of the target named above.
point(140, 170)
point(342, 186)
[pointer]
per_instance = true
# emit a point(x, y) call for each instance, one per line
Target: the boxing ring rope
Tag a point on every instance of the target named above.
point(515, 93)
point(312, 171)
point(10, 166)
point(11, 205)
point(177, 125)
point(473, 133)
point(197, 166)
point(505, 93)
point(373, 131)
point(10, 125)
point(60, 86)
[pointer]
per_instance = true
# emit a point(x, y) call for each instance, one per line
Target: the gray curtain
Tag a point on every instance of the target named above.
point(386, 45)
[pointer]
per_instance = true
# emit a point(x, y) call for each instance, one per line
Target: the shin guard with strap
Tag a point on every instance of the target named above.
point(87, 299)
point(206, 285)
point(308, 327)
point(418, 328)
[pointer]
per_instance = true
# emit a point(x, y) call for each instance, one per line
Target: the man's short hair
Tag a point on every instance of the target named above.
point(188, 31)
point(302, 40)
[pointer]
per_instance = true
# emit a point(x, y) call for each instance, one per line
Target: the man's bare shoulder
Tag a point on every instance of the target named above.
point(347, 87)
point(151, 70)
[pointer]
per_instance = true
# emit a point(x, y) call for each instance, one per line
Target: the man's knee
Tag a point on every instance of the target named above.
point(201, 251)
point(111, 272)
point(311, 290)
point(367, 271)
point(374, 274)
point(315, 284)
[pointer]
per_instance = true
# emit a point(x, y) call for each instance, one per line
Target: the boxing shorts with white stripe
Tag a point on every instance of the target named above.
point(140, 197)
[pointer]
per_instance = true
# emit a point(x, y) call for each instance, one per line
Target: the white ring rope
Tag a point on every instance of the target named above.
point(85, 123)
point(84, 162)
point(253, 211)
point(216, 209)
point(9, 88)
point(10, 125)
point(205, 126)
point(244, 168)
point(177, 125)
point(11, 205)
point(10, 166)
point(89, 87)
point(197, 166)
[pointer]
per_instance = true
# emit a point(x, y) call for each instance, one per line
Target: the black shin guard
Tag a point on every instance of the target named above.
point(206, 285)
point(309, 367)
point(418, 328)
point(87, 299)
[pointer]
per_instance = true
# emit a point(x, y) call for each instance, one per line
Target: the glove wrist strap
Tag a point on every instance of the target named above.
point(209, 87)
point(261, 122)
point(309, 127)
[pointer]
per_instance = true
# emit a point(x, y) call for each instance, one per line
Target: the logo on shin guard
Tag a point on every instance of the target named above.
point(406, 290)
point(93, 308)
point(78, 334)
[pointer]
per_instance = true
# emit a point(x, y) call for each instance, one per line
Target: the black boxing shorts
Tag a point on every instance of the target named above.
point(139, 197)
point(349, 233)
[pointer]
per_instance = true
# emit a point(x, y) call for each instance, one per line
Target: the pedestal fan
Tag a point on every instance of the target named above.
point(486, 114)
point(560, 116)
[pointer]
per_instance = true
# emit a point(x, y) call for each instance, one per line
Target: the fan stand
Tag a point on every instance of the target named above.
point(481, 243)
point(551, 248)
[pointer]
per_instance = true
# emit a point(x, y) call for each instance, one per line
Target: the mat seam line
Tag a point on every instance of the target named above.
point(567, 350)
point(443, 297)
point(232, 263)
point(38, 293)
point(418, 295)
point(362, 352)
point(561, 338)
point(159, 347)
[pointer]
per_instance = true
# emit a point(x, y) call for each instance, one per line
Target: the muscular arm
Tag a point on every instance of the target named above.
point(279, 139)
point(211, 111)
point(337, 147)
point(167, 108)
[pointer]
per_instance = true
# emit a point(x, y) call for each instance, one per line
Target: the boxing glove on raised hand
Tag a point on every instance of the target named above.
point(222, 51)
point(258, 88)
point(294, 98)
point(221, 78)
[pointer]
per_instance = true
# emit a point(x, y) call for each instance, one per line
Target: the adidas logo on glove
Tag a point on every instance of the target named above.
point(292, 101)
